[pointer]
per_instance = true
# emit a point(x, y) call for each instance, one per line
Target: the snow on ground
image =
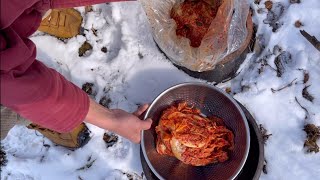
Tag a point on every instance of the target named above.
point(134, 71)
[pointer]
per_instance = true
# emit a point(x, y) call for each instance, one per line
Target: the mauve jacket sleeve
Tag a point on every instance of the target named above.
point(76, 3)
point(33, 90)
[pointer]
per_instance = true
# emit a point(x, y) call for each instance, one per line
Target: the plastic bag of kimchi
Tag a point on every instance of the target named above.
point(197, 49)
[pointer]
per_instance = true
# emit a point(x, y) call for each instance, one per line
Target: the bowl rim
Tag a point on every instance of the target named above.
point(208, 86)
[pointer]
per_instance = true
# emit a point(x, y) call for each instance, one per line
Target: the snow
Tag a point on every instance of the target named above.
point(134, 71)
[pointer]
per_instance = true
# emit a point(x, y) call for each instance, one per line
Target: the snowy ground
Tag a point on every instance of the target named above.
point(133, 71)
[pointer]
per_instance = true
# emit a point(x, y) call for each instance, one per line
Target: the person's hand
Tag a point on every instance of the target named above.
point(118, 121)
point(129, 125)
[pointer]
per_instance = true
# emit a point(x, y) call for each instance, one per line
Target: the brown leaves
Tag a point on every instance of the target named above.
point(313, 134)
point(268, 5)
point(298, 24)
point(87, 87)
point(104, 101)
point(88, 9)
point(305, 77)
point(110, 139)
point(228, 90)
point(306, 94)
point(85, 47)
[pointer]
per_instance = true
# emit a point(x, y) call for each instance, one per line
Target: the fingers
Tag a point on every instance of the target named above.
point(146, 124)
point(141, 110)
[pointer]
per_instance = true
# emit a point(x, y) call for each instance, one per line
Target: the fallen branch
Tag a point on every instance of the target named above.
point(286, 86)
point(313, 40)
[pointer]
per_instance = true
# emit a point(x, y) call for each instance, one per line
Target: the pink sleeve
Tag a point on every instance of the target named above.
point(33, 90)
point(76, 3)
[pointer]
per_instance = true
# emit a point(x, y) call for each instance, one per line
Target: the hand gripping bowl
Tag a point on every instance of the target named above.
point(211, 101)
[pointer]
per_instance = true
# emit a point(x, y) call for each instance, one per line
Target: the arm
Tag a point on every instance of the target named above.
point(27, 86)
point(118, 121)
point(43, 95)
point(39, 93)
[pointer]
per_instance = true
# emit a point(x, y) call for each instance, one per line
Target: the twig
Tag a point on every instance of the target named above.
point(87, 166)
point(35, 131)
point(286, 86)
point(313, 40)
point(305, 109)
point(89, 158)
point(264, 134)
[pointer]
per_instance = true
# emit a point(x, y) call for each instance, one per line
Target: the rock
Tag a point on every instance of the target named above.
point(104, 49)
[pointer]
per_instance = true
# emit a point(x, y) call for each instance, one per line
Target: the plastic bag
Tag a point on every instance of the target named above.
point(225, 35)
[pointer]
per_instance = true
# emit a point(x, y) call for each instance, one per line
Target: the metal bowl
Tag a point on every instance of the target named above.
point(211, 101)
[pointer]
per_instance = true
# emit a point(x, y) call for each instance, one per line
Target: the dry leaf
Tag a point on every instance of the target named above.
point(306, 94)
point(298, 24)
point(87, 87)
point(228, 90)
point(305, 77)
point(268, 5)
point(88, 9)
point(84, 48)
point(110, 139)
point(313, 134)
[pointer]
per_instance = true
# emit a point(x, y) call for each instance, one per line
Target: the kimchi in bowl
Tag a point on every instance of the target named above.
point(211, 101)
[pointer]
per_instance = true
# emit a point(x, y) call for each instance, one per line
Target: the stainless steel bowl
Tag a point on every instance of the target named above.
point(211, 101)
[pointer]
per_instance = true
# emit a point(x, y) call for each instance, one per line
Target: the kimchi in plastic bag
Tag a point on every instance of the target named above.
point(225, 34)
